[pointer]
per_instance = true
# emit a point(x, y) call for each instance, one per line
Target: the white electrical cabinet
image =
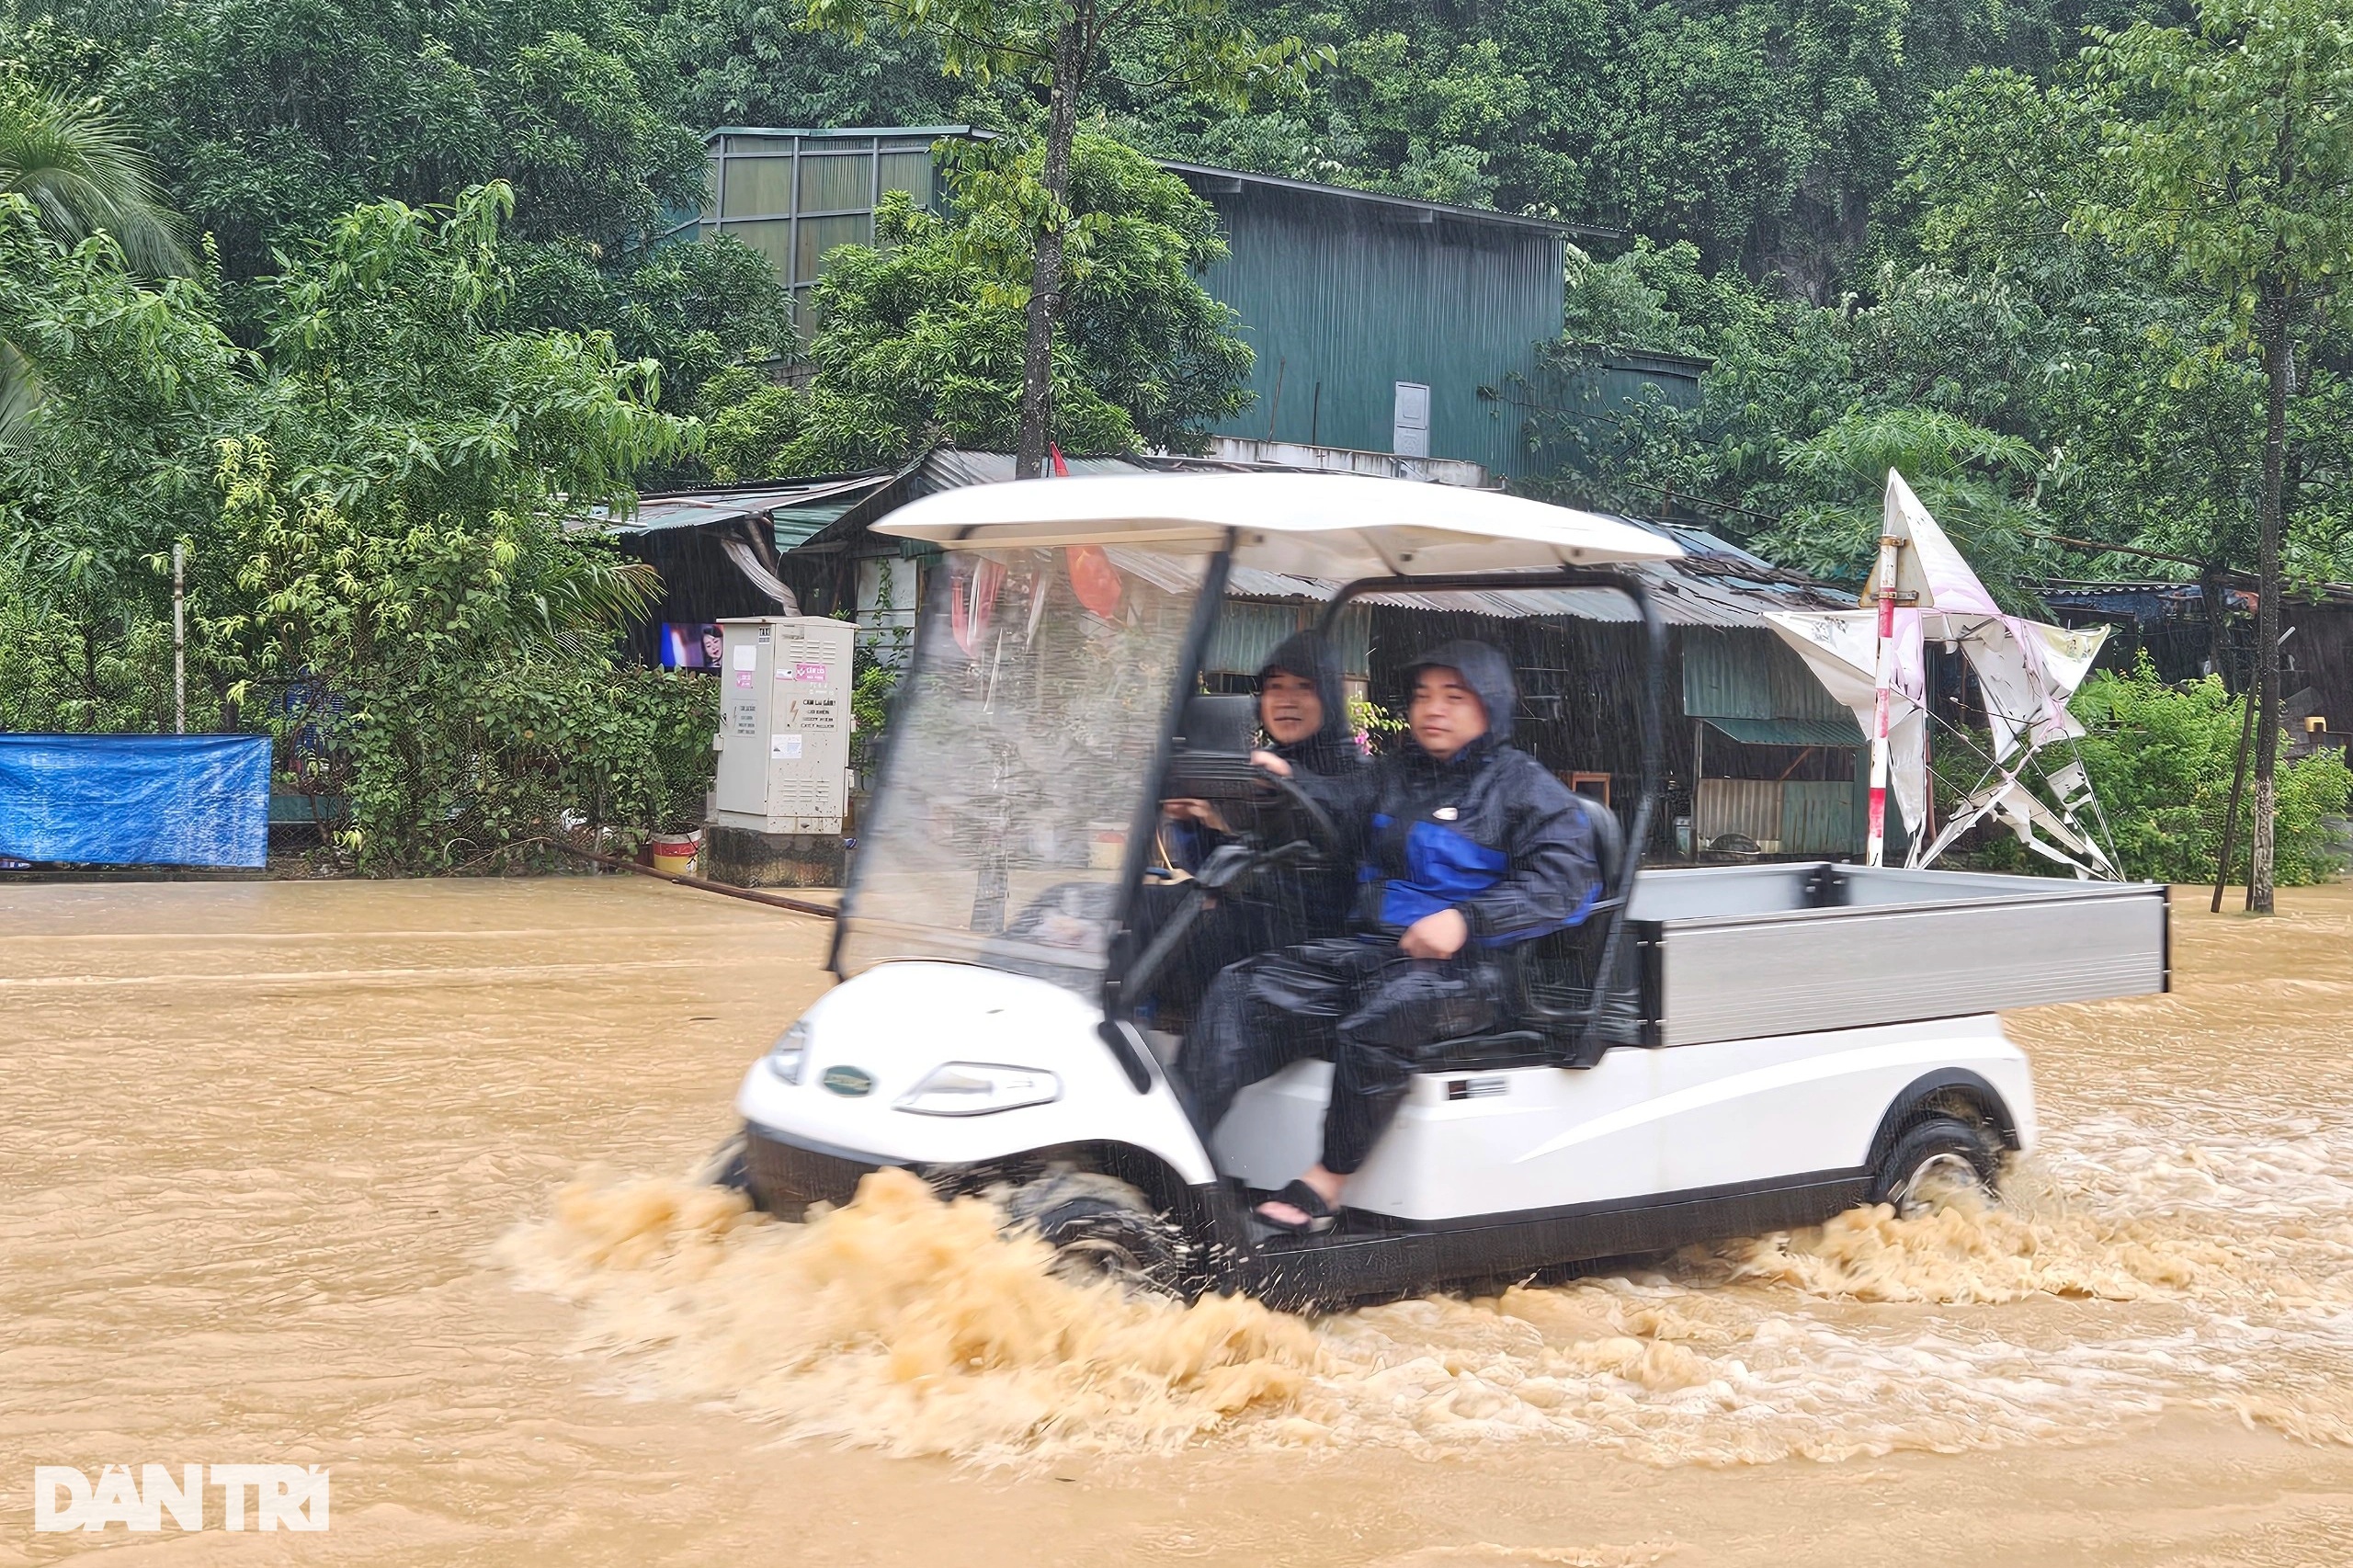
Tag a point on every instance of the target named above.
point(784, 724)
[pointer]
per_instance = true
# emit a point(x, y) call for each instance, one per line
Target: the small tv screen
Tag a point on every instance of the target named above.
point(691, 645)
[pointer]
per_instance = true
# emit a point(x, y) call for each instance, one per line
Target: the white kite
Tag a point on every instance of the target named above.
point(1873, 662)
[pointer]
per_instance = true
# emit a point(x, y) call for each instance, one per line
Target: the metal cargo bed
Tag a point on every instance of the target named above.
point(1741, 952)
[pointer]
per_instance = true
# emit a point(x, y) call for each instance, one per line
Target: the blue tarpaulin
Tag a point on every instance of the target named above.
point(135, 800)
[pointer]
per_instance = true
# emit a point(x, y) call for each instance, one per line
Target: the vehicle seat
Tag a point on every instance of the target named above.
point(1553, 979)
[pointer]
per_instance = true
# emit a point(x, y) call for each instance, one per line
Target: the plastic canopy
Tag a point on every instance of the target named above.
point(1335, 526)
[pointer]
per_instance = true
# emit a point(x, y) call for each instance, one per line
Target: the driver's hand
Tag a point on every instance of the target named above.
point(1195, 811)
point(1439, 936)
point(1272, 763)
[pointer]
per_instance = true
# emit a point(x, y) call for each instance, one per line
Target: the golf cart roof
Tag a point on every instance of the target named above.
point(1338, 527)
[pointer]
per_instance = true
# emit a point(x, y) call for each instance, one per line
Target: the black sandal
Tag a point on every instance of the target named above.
point(1321, 1216)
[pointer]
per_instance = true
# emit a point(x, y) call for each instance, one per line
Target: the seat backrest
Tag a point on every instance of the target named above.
point(1558, 972)
point(1609, 842)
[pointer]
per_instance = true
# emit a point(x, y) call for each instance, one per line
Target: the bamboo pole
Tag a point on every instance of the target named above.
point(799, 906)
point(1875, 843)
point(179, 638)
point(2230, 817)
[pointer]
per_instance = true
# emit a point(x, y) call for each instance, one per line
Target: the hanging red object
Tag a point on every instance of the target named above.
point(1061, 469)
point(1095, 580)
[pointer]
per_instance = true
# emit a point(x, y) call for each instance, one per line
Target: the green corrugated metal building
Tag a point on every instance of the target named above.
point(1384, 325)
point(1399, 329)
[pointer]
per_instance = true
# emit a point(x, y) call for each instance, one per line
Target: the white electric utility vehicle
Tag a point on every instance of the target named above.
point(1716, 1052)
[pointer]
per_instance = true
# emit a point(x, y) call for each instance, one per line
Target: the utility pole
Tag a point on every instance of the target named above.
point(179, 638)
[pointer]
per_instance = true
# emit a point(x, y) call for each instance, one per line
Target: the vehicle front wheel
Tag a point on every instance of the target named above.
point(1101, 1228)
point(1937, 1155)
point(730, 1166)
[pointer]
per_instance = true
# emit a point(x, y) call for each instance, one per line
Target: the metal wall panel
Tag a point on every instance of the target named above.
point(1245, 633)
point(1749, 806)
point(1342, 297)
point(1818, 818)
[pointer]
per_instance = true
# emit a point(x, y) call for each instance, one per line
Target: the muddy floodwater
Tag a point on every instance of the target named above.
point(389, 1177)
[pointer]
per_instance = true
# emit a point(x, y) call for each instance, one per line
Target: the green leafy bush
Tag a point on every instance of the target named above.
point(450, 774)
point(383, 510)
point(2161, 756)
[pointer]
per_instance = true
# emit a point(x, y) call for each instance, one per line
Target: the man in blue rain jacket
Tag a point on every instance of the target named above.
point(1468, 849)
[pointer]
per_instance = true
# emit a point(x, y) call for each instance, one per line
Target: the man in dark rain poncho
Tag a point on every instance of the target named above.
point(1469, 848)
point(1302, 711)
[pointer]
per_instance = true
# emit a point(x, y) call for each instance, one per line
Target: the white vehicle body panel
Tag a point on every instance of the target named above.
point(1640, 1123)
point(899, 1022)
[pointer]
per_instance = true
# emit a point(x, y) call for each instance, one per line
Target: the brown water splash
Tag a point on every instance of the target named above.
point(903, 1322)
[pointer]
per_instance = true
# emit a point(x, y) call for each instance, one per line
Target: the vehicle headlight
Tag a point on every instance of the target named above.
point(976, 1088)
point(790, 1052)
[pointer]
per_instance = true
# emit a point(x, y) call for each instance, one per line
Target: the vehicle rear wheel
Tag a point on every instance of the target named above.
point(1938, 1154)
point(1101, 1228)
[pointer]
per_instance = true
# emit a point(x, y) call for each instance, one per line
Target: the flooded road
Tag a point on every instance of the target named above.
point(385, 1177)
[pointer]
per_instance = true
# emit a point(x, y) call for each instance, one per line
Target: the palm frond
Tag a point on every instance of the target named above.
point(20, 394)
point(85, 173)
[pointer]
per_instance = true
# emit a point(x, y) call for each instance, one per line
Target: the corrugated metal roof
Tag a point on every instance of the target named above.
point(1209, 174)
point(1842, 732)
point(796, 509)
point(1718, 584)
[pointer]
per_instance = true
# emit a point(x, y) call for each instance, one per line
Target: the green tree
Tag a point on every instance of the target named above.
point(696, 307)
point(1978, 483)
point(923, 338)
point(2231, 147)
point(271, 118)
point(85, 173)
point(384, 505)
point(114, 462)
point(2161, 759)
point(751, 62)
point(1060, 48)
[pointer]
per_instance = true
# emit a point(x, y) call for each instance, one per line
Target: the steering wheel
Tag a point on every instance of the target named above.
point(1322, 836)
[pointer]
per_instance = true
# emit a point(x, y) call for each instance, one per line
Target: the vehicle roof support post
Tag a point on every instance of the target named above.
point(922, 661)
point(1206, 610)
point(1582, 1025)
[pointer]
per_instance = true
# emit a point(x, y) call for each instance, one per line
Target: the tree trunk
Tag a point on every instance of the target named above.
point(2217, 596)
point(1070, 49)
point(2278, 377)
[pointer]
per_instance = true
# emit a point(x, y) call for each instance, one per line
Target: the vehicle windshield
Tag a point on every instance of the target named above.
point(1021, 752)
